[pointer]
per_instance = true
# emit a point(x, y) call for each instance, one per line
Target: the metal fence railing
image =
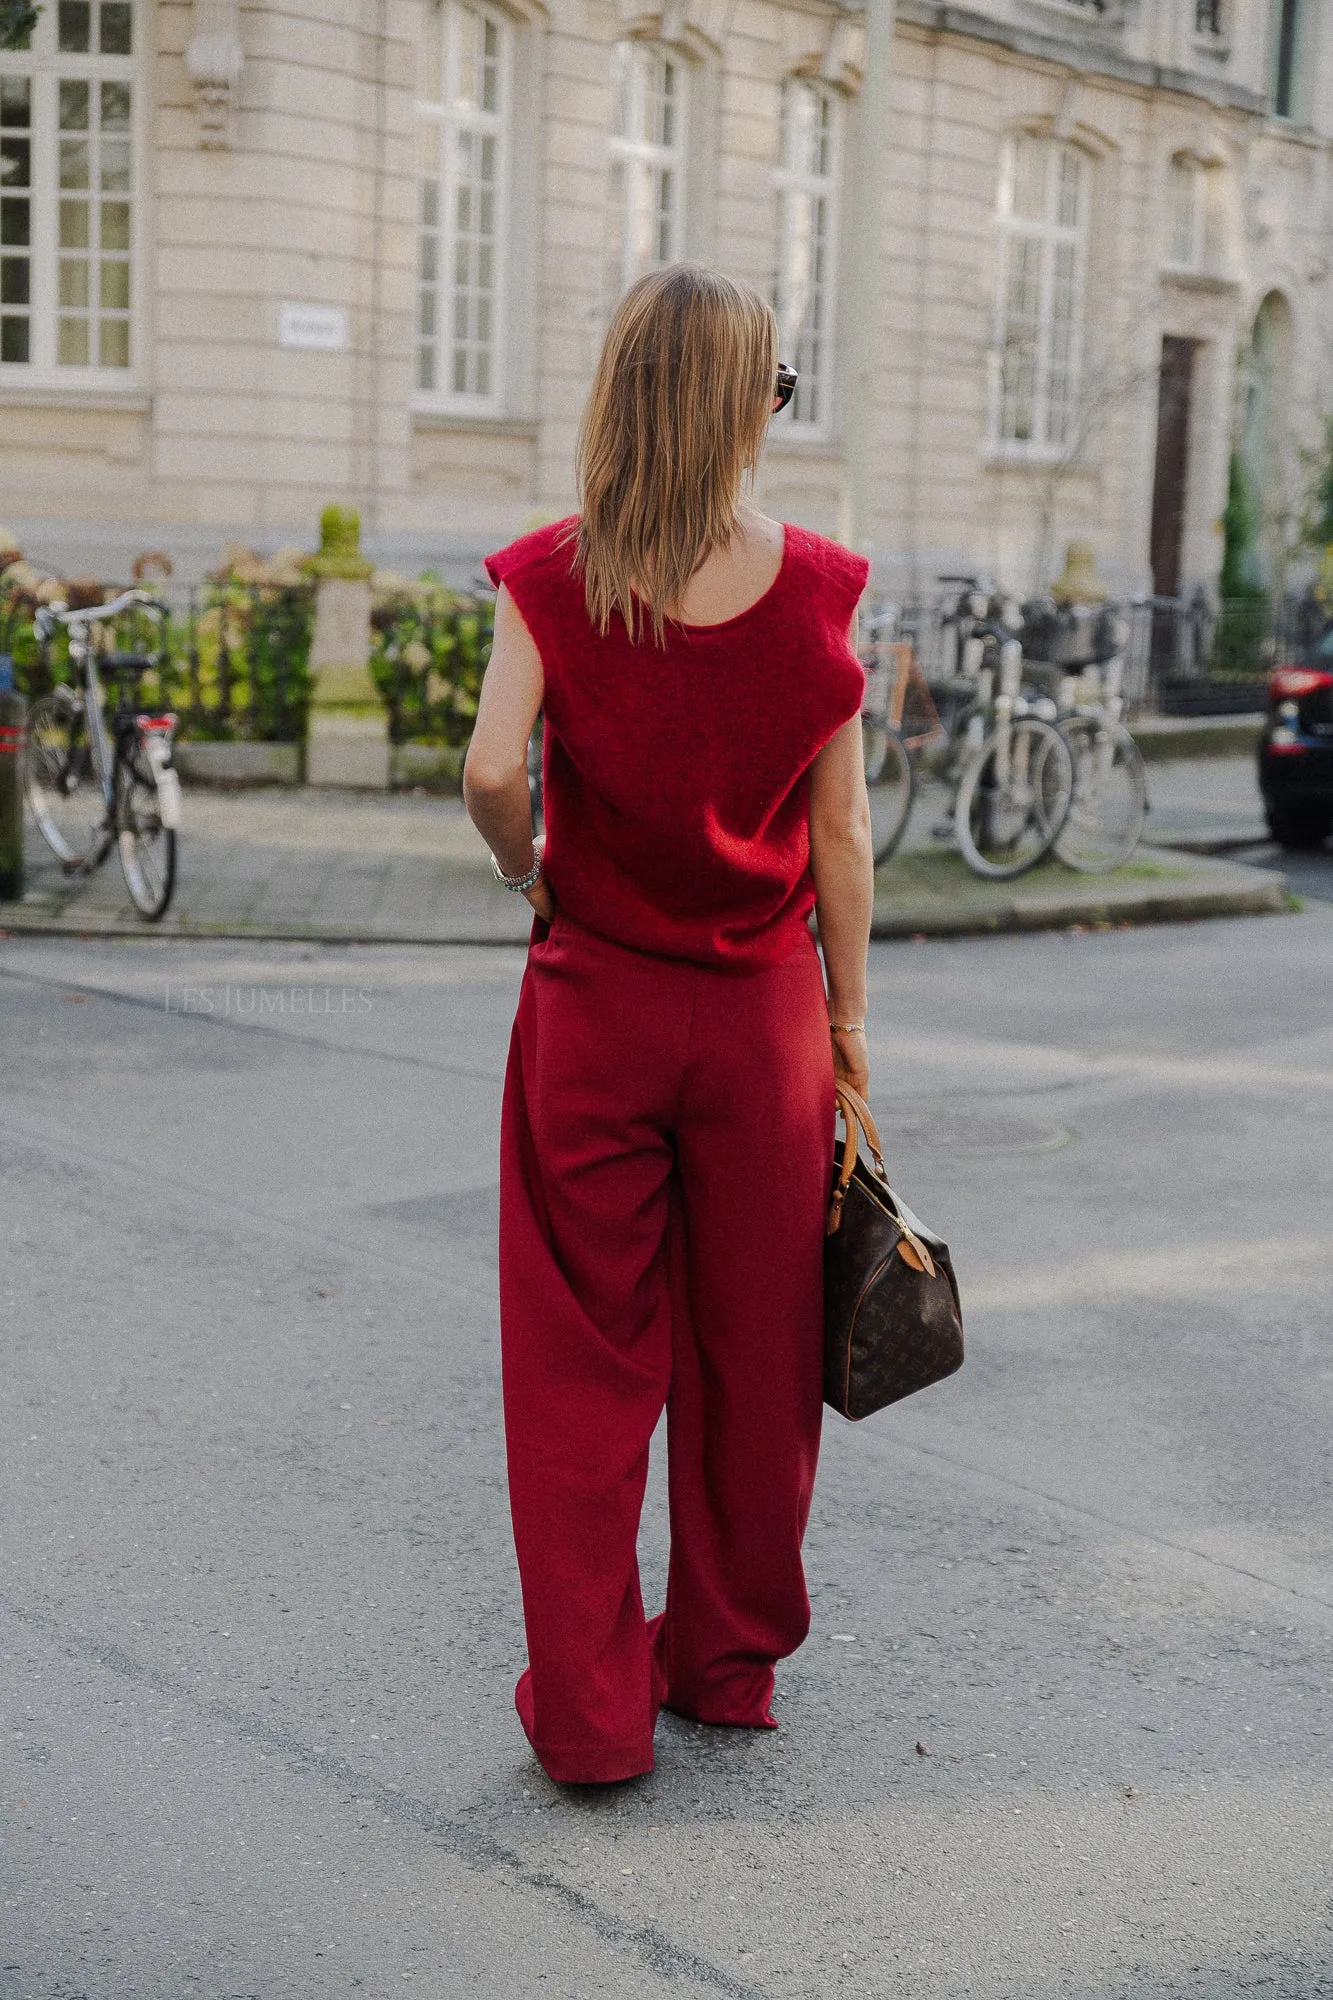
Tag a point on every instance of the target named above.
point(244, 666)
point(429, 651)
point(235, 663)
point(234, 656)
point(236, 653)
point(1201, 656)
point(1185, 656)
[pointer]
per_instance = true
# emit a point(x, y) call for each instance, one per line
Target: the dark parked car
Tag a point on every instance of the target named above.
point(1296, 749)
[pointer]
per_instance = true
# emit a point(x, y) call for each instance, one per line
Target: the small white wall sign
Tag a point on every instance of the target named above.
point(322, 327)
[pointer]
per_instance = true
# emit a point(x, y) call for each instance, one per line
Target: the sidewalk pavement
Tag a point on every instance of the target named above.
point(344, 867)
point(1206, 805)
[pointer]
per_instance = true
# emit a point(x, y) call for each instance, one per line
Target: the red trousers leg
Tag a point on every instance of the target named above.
point(623, 1067)
point(755, 1137)
point(585, 1316)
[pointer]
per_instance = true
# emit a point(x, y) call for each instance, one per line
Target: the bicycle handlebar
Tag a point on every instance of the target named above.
point(50, 615)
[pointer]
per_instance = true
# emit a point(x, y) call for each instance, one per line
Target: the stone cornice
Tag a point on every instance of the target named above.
point(459, 423)
point(1090, 57)
point(529, 11)
point(695, 26)
point(62, 396)
point(827, 41)
point(829, 45)
point(1218, 282)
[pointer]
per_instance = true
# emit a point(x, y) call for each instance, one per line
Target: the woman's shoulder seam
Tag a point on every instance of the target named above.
point(828, 559)
point(543, 544)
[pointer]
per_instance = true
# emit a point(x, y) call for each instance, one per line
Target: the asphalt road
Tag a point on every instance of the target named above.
point(1063, 1726)
point(1307, 874)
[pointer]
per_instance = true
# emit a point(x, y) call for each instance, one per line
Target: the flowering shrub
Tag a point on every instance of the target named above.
point(430, 645)
point(235, 651)
point(243, 673)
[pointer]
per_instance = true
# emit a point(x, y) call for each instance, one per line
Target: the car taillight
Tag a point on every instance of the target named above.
point(1287, 683)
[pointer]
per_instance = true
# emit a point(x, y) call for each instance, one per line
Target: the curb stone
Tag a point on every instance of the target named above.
point(943, 901)
point(1166, 739)
point(922, 895)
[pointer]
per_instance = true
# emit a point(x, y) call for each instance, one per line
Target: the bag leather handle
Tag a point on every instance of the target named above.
point(846, 1095)
point(856, 1116)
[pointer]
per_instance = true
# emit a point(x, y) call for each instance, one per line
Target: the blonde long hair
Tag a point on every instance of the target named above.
point(677, 414)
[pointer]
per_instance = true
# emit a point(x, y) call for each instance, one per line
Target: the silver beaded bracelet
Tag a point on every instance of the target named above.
point(519, 884)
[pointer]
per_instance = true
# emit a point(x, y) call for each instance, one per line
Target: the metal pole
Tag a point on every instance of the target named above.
point(379, 181)
point(12, 712)
point(866, 278)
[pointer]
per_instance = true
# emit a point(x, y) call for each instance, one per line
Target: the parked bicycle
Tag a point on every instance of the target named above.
point(1076, 659)
point(890, 774)
point(1009, 769)
point(92, 781)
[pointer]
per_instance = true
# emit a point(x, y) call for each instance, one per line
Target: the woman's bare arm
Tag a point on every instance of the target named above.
point(495, 772)
point(843, 865)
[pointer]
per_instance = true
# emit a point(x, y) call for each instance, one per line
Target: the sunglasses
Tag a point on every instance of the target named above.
point(785, 387)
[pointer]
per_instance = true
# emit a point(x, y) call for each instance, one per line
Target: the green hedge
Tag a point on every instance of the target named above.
point(429, 651)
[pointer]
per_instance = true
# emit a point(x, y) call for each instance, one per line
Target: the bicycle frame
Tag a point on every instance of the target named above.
point(891, 669)
point(92, 700)
point(94, 711)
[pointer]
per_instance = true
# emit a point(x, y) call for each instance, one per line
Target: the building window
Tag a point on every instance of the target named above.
point(16, 219)
point(464, 135)
point(647, 161)
point(1288, 34)
point(1210, 20)
point(1188, 214)
point(1043, 219)
point(807, 184)
point(68, 106)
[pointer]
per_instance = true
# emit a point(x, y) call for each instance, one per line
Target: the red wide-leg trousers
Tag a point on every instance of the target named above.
point(665, 1156)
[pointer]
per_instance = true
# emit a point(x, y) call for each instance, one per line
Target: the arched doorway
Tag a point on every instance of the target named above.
point(1264, 420)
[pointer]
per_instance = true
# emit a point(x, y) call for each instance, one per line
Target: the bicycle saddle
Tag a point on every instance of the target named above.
point(125, 663)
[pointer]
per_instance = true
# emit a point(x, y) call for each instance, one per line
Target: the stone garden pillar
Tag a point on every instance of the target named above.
point(348, 738)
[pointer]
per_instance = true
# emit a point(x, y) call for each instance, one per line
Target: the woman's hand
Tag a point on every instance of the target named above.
point(539, 895)
point(541, 899)
point(851, 1058)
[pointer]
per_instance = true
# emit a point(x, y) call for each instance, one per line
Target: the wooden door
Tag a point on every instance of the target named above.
point(1170, 477)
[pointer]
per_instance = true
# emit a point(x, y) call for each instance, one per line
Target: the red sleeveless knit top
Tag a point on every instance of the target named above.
point(677, 779)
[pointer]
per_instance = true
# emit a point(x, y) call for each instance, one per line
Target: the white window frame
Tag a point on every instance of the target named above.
point(807, 224)
point(1187, 235)
point(455, 119)
point(1041, 239)
point(1103, 15)
point(47, 67)
point(640, 160)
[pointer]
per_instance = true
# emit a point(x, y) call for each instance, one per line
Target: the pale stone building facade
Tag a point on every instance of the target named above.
point(256, 257)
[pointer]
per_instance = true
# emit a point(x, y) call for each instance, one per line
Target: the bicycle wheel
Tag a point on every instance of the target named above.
point(1110, 797)
point(1011, 803)
point(890, 784)
point(147, 848)
point(60, 780)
